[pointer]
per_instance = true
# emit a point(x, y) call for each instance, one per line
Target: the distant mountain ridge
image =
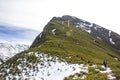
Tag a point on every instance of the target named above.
point(9, 49)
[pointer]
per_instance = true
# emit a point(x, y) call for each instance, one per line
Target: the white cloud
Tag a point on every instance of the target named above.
point(36, 13)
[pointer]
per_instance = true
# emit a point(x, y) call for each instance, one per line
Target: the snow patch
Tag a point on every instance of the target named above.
point(116, 59)
point(53, 31)
point(80, 25)
point(91, 25)
point(57, 70)
point(89, 31)
point(111, 41)
point(109, 73)
point(99, 38)
point(110, 33)
point(95, 28)
point(83, 27)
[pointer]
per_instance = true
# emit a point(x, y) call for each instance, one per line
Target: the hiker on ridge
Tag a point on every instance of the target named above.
point(105, 63)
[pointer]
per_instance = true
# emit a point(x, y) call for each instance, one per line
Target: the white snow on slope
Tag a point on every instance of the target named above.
point(9, 49)
point(58, 71)
point(89, 31)
point(53, 70)
point(95, 28)
point(109, 73)
point(111, 41)
point(91, 25)
point(53, 31)
point(116, 58)
point(110, 33)
point(83, 27)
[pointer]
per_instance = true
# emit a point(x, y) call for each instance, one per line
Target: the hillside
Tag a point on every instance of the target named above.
point(63, 47)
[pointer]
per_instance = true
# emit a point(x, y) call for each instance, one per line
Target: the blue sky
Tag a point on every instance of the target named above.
point(17, 34)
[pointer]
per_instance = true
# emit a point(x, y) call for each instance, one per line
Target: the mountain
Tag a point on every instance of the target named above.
point(106, 35)
point(17, 34)
point(9, 49)
point(66, 50)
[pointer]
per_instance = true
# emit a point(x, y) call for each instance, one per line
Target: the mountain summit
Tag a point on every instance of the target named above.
point(68, 48)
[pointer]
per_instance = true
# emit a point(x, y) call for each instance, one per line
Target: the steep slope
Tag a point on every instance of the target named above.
point(64, 51)
point(9, 49)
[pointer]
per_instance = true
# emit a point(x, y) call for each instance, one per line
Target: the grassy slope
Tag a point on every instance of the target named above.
point(75, 43)
point(79, 45)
